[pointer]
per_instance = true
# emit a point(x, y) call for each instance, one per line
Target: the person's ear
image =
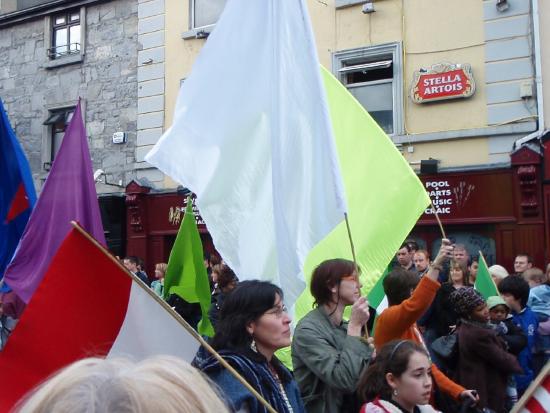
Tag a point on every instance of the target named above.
point(391, 380)
point(250, 327)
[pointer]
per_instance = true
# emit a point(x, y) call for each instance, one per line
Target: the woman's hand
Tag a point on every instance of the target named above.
point(359, 316)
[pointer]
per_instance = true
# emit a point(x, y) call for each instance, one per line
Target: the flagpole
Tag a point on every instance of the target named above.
point(438, 220)
point(178, 318)
point(531, 389)
point(351, 240)
point(366, 335)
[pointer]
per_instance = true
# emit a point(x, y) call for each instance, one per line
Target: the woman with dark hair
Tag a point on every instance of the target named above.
point(483, 362)
point(329, 354)
point(226, 281)
point(253, 325)
point(399, 380)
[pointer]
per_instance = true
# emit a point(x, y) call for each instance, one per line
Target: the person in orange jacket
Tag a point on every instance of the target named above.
point(408, 300)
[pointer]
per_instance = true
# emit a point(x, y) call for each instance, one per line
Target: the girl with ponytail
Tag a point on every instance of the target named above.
point(399, 380)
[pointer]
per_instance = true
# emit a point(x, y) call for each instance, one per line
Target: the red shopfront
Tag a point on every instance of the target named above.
point(152, 223)
point(498, 212)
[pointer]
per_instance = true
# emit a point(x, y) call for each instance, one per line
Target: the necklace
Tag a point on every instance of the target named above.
point(281, 387)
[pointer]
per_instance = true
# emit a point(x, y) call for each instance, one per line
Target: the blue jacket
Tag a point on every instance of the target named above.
point(527, 320)
point(539, 299)
point(256, 372)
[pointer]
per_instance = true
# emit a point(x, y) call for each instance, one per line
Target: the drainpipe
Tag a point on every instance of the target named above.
point(538, 77)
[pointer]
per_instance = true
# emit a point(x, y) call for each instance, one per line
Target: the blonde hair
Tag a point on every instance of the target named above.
point(160, 384)
point(161, 266)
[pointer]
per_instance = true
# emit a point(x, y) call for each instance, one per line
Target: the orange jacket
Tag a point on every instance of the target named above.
point(399, 322)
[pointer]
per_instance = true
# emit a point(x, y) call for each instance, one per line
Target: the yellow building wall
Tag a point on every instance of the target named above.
point(431, 31)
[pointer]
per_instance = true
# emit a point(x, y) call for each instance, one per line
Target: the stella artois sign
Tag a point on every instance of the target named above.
point(443, 81)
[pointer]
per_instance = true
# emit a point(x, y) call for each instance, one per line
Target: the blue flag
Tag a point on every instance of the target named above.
point(17, 194)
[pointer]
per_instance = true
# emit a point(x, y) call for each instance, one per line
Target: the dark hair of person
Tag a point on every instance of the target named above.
point(247, 303)
point(328, 274)
point(406, 245)
point(225, 276)
point(413, 245)
point(426, 253)
point(133, 259)
point(517, 287)
point(524, 254)
point(214, 259)
point(462, 267)
point(398, 285)
point(393, 358)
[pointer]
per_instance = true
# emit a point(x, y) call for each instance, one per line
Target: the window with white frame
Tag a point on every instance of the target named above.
point(65, 34)
point(205, 13)
point(373, 76)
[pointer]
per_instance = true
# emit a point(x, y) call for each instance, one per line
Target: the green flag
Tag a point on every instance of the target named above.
point(385, 197)
point(186, 275)
point(484, 282)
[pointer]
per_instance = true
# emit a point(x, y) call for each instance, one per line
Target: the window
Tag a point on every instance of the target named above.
point(58, 120)
point(205, 13)
point(373, 76)
point(65, 34)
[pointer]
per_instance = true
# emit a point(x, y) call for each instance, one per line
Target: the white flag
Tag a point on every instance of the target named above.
point(253, 140)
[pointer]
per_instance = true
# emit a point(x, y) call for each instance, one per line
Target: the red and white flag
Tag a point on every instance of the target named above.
point(537, 397)
point(87, 305)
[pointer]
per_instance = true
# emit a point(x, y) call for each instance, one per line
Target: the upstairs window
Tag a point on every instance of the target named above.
point(65, 34)
point(205, 12)
point(58, 120)
point(373, 77)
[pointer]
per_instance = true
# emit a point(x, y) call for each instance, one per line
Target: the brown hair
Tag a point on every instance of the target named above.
point(398, 285)
point(225, 276)
point(426, 253)
point(393, 358)
point(327, 275)
point(462, 267)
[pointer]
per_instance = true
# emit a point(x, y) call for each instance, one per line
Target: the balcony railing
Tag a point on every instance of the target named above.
point(63, 50)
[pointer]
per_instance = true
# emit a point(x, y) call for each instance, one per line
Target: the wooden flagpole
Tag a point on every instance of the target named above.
point(178, 318)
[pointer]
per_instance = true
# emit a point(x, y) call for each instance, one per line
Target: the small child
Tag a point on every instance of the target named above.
point(515, 292)
point(539, 301)
point(513, 335)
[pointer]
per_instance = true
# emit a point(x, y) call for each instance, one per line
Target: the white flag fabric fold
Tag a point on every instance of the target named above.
point(252, 139)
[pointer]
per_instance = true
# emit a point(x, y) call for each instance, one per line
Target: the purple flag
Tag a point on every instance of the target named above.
point(68, 195)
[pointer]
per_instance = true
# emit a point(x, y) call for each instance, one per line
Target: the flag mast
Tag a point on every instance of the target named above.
point(178, 318)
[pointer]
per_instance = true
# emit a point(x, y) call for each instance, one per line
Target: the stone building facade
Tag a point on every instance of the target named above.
point(52, 53)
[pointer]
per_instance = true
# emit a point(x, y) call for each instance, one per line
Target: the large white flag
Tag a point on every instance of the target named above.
point(253, 140)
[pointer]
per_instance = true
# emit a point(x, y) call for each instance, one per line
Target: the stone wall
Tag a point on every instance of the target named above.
point(105, 77)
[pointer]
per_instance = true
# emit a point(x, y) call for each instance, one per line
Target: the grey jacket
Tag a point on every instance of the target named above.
point(327, 362)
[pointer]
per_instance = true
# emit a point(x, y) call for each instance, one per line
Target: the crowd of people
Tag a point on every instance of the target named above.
point(438, 346)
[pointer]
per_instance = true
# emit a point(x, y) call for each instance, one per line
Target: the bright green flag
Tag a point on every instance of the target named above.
point(186, 275)
point(385, 197)
point(484, 282)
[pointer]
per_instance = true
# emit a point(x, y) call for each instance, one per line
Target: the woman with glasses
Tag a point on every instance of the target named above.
point(329, 354)
point(253, 324)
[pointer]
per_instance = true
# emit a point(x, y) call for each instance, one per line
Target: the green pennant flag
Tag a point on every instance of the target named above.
point(484, 282)
point(186, 275)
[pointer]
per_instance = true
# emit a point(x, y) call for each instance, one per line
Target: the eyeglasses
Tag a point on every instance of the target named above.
point(352, 277)
point(278, 311)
